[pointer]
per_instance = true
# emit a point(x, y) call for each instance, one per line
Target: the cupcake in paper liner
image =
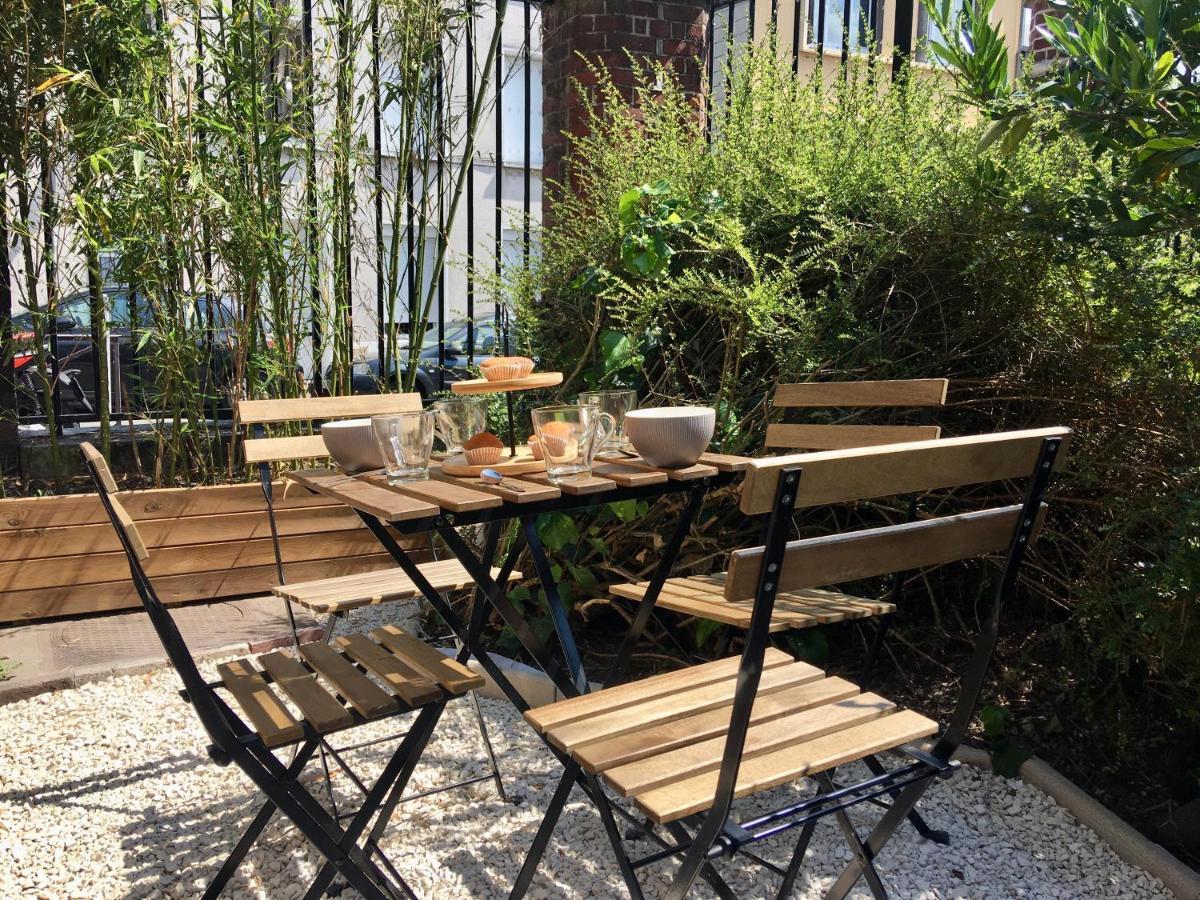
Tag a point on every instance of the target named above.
point(483, 449)
point(506, 368)
point(535, 447)
point(558, 442)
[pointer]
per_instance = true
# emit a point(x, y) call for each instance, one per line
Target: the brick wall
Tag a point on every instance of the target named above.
point(606, 33)
point(1039, 48)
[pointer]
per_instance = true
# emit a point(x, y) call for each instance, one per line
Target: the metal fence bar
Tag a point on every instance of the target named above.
point(498, 159)
point(527, 95)
point(377, 162)
point(470, 66)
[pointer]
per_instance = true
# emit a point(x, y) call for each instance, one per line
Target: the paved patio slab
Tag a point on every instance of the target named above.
point(47, 656)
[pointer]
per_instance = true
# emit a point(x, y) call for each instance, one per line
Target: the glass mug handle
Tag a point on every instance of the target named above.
point(602, 427)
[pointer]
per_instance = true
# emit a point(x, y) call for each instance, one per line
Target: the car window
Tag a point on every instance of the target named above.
point(118, 309)
point(78, 308)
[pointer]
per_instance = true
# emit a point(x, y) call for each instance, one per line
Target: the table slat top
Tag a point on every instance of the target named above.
point(370, 492)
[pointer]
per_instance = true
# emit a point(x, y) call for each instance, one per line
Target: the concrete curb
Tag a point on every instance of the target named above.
point(65, 679)
point(1126, 841)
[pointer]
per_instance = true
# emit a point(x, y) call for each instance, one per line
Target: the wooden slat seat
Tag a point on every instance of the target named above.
point(346, 592)
point(703, 597)
point(659, 741)
point(330, 687)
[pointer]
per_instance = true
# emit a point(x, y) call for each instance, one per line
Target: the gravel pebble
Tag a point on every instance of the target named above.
point(106, 791)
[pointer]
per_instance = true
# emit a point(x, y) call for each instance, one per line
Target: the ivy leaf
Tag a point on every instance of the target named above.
point(557, 530)
point(624, 510)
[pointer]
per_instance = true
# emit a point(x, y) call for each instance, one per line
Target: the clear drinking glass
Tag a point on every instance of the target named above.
point(570, 436)
point(616, 404)
point(457, 421)
point(405, 440)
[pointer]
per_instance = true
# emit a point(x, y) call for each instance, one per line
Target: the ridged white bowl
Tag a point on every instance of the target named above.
point(671, 436)
point(351, 443)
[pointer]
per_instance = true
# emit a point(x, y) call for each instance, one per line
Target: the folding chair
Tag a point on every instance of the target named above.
point(329, 688)
point(684, 745)
point(335, 597)
point(702, 597)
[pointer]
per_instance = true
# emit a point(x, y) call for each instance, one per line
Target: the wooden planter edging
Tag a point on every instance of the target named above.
point(59, 555)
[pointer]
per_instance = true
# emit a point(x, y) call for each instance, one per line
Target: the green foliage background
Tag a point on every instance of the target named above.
point(841, 230)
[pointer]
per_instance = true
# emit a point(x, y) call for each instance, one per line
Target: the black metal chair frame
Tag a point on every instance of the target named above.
point(715, 834)
point(234, 742)
point(325, 747)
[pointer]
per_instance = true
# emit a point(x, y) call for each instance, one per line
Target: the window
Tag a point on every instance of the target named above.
point(514, 113)
point(861, 23)
point(285, 71)
point(400, 274)
point(928, 31)
point(1026, 28)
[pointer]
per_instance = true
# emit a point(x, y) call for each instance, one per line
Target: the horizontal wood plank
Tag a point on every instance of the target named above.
point(695, 794)
point(839, 437)
point(272, 720)
point(623, 695)
point(93, 568)
point(676, 705)
point(861, 473)
point(605, 754)
point(69, 600)
point(858, 394)
point(409, 684)
point(726, 462)
point(446, 671)
point(367, 698)
point(388, 505)
point(285, 449)
point(319, 707)
point(44, 543)
point(512, 489)
point(683, 473)
point(628, 476)
point(160, 503)
point(763, 737)
point(294, 409)
point(576, 485)
point(447, 495)
point(854, 555)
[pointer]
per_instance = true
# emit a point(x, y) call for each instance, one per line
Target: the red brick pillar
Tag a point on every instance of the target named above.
point(606, 32)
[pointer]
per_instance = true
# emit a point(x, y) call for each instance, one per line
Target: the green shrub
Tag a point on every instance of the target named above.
point(841, 230)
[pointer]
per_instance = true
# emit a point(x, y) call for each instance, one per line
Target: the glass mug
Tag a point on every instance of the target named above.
point(405, 440)
point(457, 421)
point(570, 436)
point(616, 404)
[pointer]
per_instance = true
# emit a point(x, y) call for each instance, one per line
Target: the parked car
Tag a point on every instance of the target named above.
point(76, 353)
point(365, 375)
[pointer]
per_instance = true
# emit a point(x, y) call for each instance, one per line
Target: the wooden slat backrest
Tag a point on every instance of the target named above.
point(308, 409)
point(862, 394)
point(919, 392)
point(108, 484)
point(784, 435)
point(852, 556)
point(861, 473)
point(250, 413)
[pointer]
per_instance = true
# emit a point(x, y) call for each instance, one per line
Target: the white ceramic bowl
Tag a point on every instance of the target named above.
point(670, 436)
point(351, 443)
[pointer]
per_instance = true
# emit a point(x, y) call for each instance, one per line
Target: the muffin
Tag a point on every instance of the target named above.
point(506, 368)
point(558, 441)
point(535, 447)
point(483, 449)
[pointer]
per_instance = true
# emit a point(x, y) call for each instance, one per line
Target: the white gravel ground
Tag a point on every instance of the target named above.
point(106, 791)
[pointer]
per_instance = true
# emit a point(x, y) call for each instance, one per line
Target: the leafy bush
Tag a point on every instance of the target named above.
point(843, 230)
